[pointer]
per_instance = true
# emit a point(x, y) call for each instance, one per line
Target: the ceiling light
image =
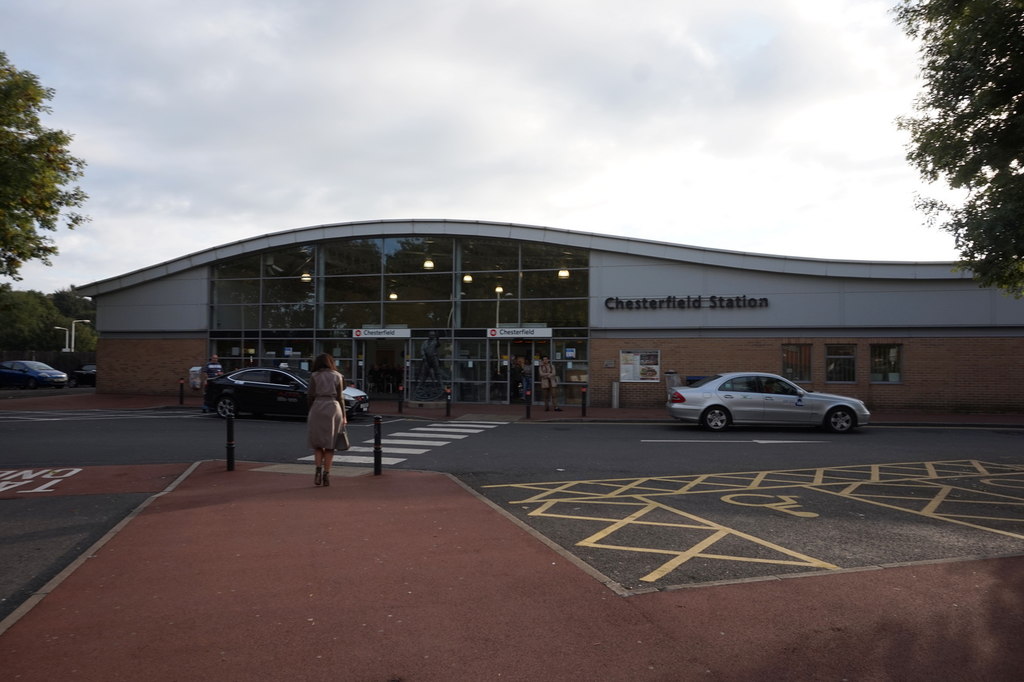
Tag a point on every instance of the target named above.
point(428, 264)
point(393, 296)
point(467, 278)
point(563, 274)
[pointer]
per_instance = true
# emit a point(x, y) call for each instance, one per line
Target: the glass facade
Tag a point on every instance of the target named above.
point(442, 294)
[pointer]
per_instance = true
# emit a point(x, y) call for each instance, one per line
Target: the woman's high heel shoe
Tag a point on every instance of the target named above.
point(318, 477)
point(327, 478)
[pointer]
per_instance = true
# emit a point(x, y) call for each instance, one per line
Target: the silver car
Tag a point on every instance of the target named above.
point(717, 401)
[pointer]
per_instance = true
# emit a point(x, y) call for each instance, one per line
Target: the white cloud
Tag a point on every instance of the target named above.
point(735, 124)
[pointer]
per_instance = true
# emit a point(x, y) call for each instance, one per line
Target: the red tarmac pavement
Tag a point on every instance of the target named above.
point(256, 574)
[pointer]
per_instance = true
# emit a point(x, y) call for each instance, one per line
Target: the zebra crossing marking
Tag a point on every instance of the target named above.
point(399, 441)
point(441, 430)
point(417, 435)
point(356, 459)
point(413, 434)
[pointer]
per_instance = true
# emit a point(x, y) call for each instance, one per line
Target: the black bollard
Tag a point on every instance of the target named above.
point(401, 394)
point(529, 399)
point(231, 442)
point(448, 401)
point(583, 400)
point(376, 445)
point(181, 391)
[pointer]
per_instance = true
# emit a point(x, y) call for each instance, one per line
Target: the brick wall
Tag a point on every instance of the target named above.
point(950, 374)
point(146, 366)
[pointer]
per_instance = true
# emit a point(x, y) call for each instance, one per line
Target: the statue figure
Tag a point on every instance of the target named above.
point(428, 379)
point(430, 367)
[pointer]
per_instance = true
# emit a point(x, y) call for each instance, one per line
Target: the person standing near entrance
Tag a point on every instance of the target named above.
point(549, 384)
point(326, 416)
point(211, 370)
point(213, 367)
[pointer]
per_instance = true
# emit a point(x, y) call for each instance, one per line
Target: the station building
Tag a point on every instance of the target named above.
point(619, 317)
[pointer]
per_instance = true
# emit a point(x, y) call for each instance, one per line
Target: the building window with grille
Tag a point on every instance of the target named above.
point(886, 363)
point(840, 363)
point(796, 361)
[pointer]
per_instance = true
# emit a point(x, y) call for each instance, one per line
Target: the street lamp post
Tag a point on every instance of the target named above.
point(498, 291)
point(66, 347)
point(73, 323)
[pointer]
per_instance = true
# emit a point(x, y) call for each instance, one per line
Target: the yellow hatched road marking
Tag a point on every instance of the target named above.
point(717, 532)
point(871, 499)
point(893, 486)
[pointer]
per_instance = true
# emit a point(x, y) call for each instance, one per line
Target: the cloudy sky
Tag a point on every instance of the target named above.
point(749, 125)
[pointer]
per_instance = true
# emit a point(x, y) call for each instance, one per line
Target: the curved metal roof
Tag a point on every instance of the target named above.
point(585, 240)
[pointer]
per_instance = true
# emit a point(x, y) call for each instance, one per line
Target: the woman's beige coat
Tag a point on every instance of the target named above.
point(326, 408)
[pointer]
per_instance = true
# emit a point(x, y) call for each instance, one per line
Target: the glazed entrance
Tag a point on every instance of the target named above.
point(476, 370)
point(380, 366)
point(515, 370)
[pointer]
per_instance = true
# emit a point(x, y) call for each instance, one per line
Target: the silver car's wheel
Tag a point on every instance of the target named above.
point(840, 420)
point(226, 406)
point(715, 418)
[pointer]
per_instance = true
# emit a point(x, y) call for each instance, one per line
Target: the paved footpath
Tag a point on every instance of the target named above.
point(256, 574)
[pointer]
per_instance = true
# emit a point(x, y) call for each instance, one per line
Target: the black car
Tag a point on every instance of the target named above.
point(83, 376)
point(270, 390)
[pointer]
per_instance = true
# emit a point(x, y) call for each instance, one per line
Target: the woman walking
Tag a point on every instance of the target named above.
point(326, 414)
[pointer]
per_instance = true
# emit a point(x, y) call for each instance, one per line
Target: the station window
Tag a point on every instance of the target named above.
point(886, 363)
point(840, 362)
point(796, 361)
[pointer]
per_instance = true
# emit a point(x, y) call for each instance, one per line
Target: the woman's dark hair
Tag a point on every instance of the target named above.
point(324, 361)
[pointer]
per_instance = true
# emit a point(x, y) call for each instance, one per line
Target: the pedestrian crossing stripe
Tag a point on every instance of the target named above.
point(356, 459)
point(399, 441)
point(393, 451)
point(437, 430)
point(413, 434)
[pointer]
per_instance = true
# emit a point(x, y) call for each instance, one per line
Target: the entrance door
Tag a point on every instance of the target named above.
point(383, 366)
point(516, 370)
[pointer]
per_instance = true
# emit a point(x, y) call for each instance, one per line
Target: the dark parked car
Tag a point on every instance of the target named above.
point(31, 374)
point(749, 398)
point(83, 376)
point(270, 390)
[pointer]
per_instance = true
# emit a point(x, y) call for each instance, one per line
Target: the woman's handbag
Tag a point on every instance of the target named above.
point(341, 440)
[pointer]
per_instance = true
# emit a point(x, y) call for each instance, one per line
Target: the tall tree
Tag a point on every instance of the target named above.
point(73, 305)
point(29, 320)
point(37, 173)
point(969, 128)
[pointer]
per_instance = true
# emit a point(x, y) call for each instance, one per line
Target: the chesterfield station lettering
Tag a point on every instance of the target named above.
point(685, 303)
